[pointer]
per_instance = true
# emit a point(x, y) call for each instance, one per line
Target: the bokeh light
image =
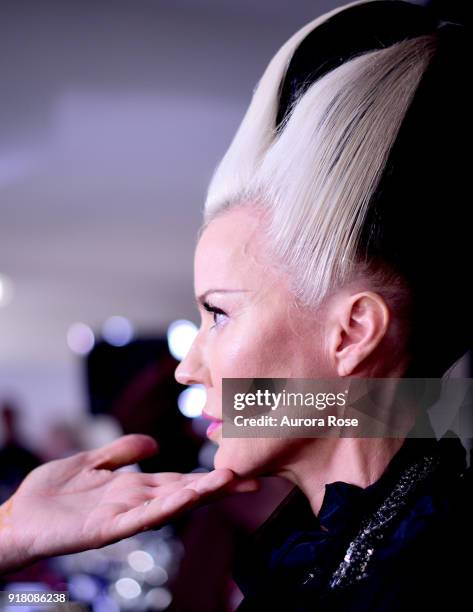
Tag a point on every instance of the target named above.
point(180, 335)
point(158, 598)
point(117, 331)
point(6, 290)
point(80, 338)
point(192, 400)
point(140, 561)
point(157, 576)
point(128, 588)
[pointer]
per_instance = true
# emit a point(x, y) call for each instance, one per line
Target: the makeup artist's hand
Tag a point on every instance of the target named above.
point(80, 502)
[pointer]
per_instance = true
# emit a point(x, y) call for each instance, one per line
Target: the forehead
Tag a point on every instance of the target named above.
point(231, 248)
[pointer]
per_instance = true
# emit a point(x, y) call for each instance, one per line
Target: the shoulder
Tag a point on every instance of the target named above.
point(406, 547)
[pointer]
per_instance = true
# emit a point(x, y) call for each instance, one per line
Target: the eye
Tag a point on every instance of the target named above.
point(218, 313)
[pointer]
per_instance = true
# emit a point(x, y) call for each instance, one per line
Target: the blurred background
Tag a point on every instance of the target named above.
point(113, 115)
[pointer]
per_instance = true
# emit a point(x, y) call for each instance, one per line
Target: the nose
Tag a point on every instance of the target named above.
point(191, 370)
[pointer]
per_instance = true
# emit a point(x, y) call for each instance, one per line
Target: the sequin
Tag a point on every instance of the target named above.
point(375, 527)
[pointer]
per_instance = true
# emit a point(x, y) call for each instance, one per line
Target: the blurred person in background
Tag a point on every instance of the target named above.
point(62, 440)
point(16, 459)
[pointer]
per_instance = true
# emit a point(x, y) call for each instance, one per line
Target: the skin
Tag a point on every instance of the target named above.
point(260, 330)
point(82, 502)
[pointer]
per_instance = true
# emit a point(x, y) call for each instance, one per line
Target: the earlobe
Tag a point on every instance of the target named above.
point(347, 364)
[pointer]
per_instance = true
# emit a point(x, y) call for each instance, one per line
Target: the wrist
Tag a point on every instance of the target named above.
point(14, 554)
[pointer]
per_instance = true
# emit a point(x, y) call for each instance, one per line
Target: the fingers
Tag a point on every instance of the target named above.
point(155, 513)
point(247, 485)
point(244, 486)
point(212, 481)
point(225, 480)
point(167, 502)
point(124, 451)
point(216, 479)
point(159, 486)
point(161, 509)
point(162, 478)
point(201, 483)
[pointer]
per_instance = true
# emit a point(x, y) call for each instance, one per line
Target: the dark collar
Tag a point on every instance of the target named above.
point(292, 537)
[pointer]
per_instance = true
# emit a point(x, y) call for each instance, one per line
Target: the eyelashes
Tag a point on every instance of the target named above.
point(214, 310)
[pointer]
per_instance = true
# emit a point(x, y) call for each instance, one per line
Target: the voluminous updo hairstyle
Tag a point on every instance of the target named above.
point(356, 143)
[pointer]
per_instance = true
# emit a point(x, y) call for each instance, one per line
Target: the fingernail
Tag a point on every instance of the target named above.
point(242, 487)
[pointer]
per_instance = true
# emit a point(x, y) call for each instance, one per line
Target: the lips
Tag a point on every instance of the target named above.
point(206, 415)
point(215, 424)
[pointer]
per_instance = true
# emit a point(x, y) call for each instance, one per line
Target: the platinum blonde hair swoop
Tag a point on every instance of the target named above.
point(316, 175)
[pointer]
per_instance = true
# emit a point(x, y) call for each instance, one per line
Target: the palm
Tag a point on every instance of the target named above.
point(78, 503)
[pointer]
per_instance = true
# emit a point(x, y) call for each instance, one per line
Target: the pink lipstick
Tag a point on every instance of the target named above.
point(215, 424)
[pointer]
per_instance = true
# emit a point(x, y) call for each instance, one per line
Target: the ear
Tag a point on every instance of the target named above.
point(357, 325)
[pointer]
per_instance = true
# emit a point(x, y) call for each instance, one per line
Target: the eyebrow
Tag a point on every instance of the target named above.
point(201, 298)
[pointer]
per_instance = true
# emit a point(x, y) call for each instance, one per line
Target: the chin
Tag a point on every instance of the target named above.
point(225, 460)
point(242, 463)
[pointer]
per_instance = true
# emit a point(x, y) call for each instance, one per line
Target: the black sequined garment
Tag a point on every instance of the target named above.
point(400, 544)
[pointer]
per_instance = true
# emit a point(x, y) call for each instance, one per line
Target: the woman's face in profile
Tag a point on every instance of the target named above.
point(250, 328)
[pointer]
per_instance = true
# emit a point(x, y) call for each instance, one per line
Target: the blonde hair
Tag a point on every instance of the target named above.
point(317, 173)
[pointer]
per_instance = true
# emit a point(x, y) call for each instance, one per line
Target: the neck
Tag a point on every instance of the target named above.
point(358, 461)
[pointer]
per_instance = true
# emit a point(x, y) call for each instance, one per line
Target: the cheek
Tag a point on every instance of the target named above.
point(244, 352)
point(270, 348)
point(276, 349)
point(252, 352)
